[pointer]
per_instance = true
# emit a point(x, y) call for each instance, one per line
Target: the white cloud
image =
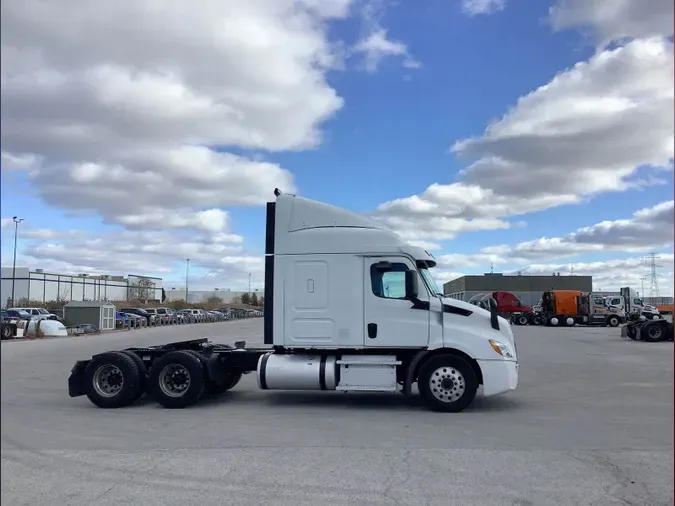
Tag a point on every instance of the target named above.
point(476, 7)
point(615, 20)
point(375, 44)
point(610, 275)
point(112, 117)
point(649, 229)
point(150, 253)
point(586, 132)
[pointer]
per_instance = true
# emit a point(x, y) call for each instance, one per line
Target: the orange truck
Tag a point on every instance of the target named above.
point(665, 308)
point(566, 308)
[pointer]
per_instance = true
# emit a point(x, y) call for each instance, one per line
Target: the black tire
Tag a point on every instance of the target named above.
point(522, 319)
point(536, 320)
point(143, 373)
point(431, 368)
point(186, 362)
point(613, 321)
point(228, 384)
point(652, 331)
point(100, 387)
point(7, 332)
point(631, 332)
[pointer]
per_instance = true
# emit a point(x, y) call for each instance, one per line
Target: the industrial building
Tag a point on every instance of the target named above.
point(200, 296)
point(527, 288)
point(43, 286)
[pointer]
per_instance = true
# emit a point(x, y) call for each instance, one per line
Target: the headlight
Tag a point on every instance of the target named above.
point(501, 348)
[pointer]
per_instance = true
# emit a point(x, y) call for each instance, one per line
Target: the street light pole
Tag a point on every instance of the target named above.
point(187, 274)
point(249, 289)
point(16, 220)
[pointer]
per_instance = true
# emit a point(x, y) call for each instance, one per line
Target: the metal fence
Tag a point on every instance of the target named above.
point(43, 286)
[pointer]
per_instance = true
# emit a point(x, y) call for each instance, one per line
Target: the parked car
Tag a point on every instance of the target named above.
point(121, 319)
point(86, 328)
point(149, 319)
point(196, 315)
point(58, 313)
point(135, 320)
point(16, 314)
point(165, 314)
point(156, 318)
point(38, 313)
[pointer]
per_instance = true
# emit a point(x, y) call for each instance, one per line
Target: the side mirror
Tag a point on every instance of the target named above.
point(411, 288)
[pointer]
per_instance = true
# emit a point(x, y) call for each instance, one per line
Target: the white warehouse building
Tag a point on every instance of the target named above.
point(43, 286)
point(199, 296)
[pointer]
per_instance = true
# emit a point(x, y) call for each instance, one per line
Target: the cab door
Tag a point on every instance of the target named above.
point(391, 320)
point(598, 309)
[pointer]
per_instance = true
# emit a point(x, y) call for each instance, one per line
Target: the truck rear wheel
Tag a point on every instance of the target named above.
point(522, 319)
point(177, 380)
point(447, 383)
point(143, 373)
point(652, 331)
point(631, 332)
point(228, 384)
point(112, 380)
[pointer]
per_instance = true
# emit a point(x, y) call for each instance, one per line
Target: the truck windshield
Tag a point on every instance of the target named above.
point(429, 280)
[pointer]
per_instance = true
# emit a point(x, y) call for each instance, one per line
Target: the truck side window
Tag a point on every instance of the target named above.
point(637, 302)
point(390, 283)
point(599, 300)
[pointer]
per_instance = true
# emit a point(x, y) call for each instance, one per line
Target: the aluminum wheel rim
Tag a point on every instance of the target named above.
point(174, 380)
point(447, 384)
point(108, 380)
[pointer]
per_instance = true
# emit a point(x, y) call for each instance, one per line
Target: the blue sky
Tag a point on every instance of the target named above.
point(390, 138)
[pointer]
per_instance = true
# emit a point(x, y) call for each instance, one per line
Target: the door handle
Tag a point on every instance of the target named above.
point(372, 330)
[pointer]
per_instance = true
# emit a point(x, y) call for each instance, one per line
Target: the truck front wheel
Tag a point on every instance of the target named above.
point(522, 319)
point(447, 383)
point(613, 321)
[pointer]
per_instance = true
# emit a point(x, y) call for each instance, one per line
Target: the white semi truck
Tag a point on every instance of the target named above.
point(631, 302)
point(349, 306)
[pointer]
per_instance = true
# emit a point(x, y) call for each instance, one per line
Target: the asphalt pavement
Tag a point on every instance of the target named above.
point(590, 424)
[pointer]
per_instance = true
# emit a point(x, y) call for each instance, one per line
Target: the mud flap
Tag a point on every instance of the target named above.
point(624, 331)
point(76, 386)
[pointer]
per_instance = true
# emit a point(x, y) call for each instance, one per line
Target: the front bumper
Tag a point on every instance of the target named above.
point(499, 376)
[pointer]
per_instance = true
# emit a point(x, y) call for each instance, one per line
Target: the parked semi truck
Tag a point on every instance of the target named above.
point(567, 308)
point(349, 306)
point(509, 306)
point(631, 302)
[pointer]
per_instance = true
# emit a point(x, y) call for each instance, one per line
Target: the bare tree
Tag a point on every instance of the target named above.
point(142, 289)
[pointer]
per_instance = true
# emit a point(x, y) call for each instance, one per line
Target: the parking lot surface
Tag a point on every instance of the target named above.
point(590, 424)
